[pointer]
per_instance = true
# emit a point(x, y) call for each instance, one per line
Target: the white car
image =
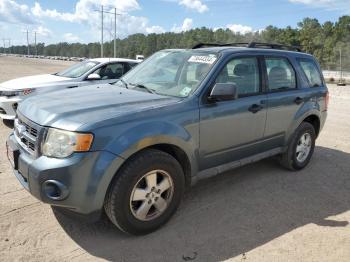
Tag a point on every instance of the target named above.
point(88, 72)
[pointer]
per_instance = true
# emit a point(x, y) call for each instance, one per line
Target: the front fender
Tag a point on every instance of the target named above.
point(143, 135)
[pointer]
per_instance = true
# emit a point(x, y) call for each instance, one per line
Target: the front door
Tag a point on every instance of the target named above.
point(231, 130)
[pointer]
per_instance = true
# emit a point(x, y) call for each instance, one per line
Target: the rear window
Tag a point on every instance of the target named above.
point(311, 72)
point(280, 74)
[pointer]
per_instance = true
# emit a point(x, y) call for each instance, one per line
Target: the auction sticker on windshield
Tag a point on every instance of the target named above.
point(204, 59)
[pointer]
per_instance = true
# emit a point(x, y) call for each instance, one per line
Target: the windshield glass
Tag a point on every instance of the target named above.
point(78, 70)
point(173, 73)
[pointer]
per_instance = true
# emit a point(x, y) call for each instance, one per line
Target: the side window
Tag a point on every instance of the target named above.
point(111, 71)
point(311, 72)
point(244, 73)
point(280, 73)
point(127, 67)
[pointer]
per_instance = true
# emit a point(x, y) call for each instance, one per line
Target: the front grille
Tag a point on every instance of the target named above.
point(30, 145)
point(29, 129)
point(27, 135)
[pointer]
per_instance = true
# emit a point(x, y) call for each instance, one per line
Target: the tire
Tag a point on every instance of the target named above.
point(294, 160)
point(133, 180)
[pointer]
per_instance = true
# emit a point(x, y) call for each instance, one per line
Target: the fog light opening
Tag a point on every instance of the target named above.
point(55, 190)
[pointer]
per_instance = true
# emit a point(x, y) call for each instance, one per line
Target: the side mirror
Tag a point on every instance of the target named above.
point(223, 92)
point(94, 77)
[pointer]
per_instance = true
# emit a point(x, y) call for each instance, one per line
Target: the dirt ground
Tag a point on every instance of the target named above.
point(256, 213)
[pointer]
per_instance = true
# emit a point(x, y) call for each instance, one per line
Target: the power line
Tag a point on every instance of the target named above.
point(115, 28)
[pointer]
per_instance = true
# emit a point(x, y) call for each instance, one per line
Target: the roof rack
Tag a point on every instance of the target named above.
point(252, 45)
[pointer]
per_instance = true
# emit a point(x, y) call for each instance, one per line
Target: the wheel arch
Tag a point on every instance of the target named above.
point(175, 151)
point(315, 121)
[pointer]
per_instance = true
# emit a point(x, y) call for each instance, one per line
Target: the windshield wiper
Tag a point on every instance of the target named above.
point(121, 80)
point(141, 86)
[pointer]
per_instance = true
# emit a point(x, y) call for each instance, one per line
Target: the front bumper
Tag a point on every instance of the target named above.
point(8, 106)
point(85, 176)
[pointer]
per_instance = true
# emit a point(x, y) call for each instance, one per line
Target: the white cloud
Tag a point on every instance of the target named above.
point(85, 13)
point(12, 12)
point(196, 5)
point(343, 5)
point(39, 12)
point(155, 30)
point(85, 9)
point(43, 31)
point(239, 29)
point(71, 38)
point(186, 26)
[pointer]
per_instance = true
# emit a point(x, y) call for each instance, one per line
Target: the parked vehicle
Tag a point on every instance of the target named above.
point(140, 57)
point(93, 71)
point(181, 115)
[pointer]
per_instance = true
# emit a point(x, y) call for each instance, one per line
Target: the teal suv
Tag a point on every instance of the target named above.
point(130, 149)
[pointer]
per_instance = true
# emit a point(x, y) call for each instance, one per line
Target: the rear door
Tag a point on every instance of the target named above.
point(285, 97)
point(231, 130)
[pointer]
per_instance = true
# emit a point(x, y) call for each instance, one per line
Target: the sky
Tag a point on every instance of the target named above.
point(78, 20)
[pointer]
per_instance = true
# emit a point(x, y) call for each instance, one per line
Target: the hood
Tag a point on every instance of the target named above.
point(72, 108)
point(32, 81)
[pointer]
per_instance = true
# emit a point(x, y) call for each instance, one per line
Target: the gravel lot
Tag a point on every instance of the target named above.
point(256, 213)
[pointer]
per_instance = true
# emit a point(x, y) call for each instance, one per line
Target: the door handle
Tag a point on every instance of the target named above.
point(298, 100)
point(255, 108)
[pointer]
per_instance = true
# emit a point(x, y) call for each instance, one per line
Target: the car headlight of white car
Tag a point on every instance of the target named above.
point(61, 144)
point(11, 93)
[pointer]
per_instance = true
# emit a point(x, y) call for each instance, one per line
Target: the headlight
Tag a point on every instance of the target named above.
point(61, 144)
point(10, 93)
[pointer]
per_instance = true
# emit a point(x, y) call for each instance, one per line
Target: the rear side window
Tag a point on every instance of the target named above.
point(311, 72)
point(280, 73)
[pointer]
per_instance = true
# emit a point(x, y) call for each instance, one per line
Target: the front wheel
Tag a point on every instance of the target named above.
point(300, 148)
point(145, 193)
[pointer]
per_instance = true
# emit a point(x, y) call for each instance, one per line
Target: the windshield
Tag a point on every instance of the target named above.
point(78, 70)
point(174, 73)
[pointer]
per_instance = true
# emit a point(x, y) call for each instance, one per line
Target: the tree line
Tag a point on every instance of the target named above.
point(322, 40)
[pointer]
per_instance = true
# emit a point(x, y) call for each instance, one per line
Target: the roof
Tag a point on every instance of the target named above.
point(230, 49)
point(107, 60)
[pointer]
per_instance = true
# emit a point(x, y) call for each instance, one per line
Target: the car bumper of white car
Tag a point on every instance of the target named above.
point(8, 107)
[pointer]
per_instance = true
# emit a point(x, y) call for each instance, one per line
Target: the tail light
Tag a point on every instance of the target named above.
point(326, 101)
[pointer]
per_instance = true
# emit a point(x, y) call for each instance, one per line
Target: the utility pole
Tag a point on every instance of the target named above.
point(36, 50)
point(115, 32)
point(101, 30)
point(4, 45)
point(115, 28)
point(341, 82)
point(9, 45)
point(28, 51)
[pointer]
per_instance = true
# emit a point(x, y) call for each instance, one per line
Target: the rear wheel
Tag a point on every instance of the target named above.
point(300, 148)
point(145, 193)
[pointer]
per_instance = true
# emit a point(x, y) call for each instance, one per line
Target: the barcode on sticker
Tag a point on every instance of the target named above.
point(202, 59)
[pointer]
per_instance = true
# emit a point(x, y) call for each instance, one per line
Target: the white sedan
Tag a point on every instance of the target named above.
point(88, 72)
